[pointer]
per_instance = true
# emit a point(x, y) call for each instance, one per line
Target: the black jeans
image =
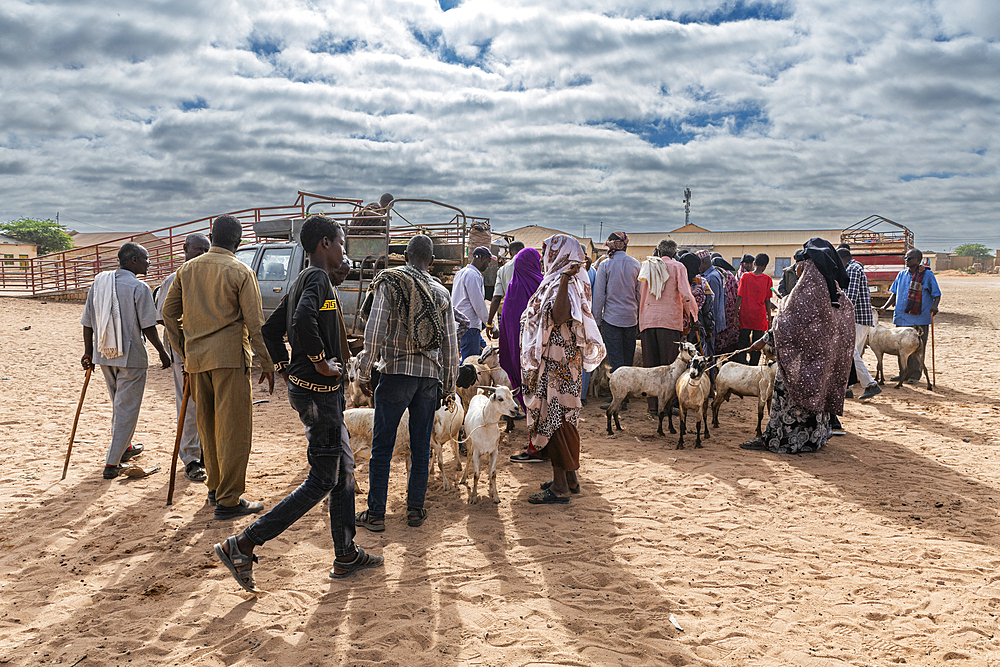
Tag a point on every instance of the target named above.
point(331, 471)
point(748, 336)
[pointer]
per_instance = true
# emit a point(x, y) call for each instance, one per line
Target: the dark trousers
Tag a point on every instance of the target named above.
point(331, 471)
point(660, 347)
point(748, 336)
point(470, 344)
point(620, 343)
point(394, 394)
point(913, 367)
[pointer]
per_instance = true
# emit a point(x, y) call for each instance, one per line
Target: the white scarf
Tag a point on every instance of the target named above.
point(654, 272)
point(107, 316)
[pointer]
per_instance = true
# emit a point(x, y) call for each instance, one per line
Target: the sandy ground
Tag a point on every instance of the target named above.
point(881, 549)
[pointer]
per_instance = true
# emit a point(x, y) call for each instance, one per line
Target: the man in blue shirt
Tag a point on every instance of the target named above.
point(919, 306)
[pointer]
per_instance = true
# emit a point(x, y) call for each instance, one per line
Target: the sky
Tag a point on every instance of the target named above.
point(573, 114)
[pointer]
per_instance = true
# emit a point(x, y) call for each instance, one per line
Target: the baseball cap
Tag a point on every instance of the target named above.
point(747, 258)
point(482, 251)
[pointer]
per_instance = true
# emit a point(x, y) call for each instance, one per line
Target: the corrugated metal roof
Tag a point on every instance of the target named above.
point(742, 237)
point(13, 241)
point(533, 236)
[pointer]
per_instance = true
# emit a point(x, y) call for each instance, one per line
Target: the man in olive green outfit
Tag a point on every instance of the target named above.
point(213, 316)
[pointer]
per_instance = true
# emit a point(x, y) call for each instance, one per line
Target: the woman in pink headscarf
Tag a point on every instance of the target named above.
point(559, 340)
point(527, 276)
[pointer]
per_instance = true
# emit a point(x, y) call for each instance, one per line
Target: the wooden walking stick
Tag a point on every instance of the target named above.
point(933, 365)
point(177, 441)
point(76, 420)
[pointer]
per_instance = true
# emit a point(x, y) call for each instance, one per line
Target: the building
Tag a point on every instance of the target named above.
point(13, 253)
point(532, 236)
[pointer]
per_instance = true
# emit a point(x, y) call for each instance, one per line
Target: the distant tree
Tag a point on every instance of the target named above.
point(48, 235)
point(977, 251)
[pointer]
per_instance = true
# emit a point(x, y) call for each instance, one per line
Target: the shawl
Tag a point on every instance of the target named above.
point(415, 304)
point(814, 342)
point(536, 322)
point(525, 280)
point(915, 297)
point(826, 259)
point(655, 273)
point(107, 316)
point(616, 242)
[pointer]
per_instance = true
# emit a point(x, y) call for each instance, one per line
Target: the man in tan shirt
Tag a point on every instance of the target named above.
point(213, 316)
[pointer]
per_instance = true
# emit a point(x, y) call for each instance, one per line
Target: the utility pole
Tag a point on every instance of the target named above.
point(602, 231)
point(687, 205)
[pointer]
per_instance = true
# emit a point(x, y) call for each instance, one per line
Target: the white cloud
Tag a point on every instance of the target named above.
point(563, 113)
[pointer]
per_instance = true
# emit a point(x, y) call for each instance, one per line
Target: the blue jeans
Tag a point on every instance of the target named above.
point(394, 394)
point(470, 344)
point(620, 342)
point(331, 471)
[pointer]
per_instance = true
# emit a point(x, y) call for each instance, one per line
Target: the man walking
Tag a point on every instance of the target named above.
point(864, 317)
point(664, 299)
point(195, 245)
point(753, 303)
point(411, 334)
point(310, 316)
point(120, 310)
point(920, 289)
point(616, 302)
point(219, 300)
point(468, 298)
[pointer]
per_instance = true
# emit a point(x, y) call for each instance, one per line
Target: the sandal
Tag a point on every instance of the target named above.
point(755, 445)
point(370, 522)
point(415, 516)
point(234, 559)
point(546, 497)
point(363, 561)
point(574, 490)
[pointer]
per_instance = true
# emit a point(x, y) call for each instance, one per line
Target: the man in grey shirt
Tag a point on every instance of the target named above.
point(125, 374)
point(616, 301)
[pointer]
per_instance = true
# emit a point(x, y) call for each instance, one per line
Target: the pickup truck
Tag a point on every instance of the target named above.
point(880, 245)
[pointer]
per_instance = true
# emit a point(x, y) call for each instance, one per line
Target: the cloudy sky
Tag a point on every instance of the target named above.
point(807, 113)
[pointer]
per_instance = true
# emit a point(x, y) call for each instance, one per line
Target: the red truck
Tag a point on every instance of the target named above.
point(880, 245)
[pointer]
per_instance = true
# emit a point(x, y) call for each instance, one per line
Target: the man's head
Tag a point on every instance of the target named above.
point(913, 258)
point(747, 262)
point(195, 245)
point(706, 260)
point(761, 261)
point(845, 254)
point(514, 248)
point(420, 252)
point(481, 257)
point(666, 248)
point(227, 232)
point(133, 257)
point(385, 199)
point(589, 262)
point(323, 239)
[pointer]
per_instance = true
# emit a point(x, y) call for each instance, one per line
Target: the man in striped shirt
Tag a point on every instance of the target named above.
point(864, 318)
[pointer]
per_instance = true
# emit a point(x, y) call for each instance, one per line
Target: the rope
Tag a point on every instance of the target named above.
point(720, 360)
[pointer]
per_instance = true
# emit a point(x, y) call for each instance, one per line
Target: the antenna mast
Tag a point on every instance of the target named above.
point(687, 205)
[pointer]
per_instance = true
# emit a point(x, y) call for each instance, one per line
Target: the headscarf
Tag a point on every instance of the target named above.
point(720, 263)
point(814, 342)
point(827, 261)
point(536, 322)
point(692, 263)
point(525, 280)
point(617, 241)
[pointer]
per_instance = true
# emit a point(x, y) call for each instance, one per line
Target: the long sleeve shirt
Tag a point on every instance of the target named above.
point(901, 288)
point(467, 296)
point(219, 300)
point(137, 311)
point(308, 314)
point(718, 285)
point(857, 292)
point(388, 341)
point(616, 291)
point(674, 303)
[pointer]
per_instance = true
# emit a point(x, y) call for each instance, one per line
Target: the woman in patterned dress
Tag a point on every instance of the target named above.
point(559, 340)
point(729, 336)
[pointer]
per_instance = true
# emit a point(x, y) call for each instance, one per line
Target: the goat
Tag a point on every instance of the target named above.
point(491, 359)
point(741, 380)
point(482, 430)
point(600, 377)
point(658, 381)
point(352, 392)
point(482, 378)
point(448, 421)
point(693, 389)
point(904, 342)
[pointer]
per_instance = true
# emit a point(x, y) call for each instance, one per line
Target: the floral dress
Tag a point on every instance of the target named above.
point(557, 383)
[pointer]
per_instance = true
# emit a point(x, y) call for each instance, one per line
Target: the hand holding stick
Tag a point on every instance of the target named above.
point(76, 420)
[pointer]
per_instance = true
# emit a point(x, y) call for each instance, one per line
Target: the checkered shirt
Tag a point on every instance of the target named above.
point(857, 292)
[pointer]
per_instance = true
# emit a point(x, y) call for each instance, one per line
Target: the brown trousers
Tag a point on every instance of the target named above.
point(659, 348)
point(563, 448)
point(225, 424)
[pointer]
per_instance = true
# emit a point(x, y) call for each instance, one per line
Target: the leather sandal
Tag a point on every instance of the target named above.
point(368, 521)
point(234, 559)
point(415, 516)
point(546, 497)
point(573, 489)
point(363, 561)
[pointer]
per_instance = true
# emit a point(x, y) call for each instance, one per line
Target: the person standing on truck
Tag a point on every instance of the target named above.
point(467, 297)
point(411, 334)
point(920, 289)
point(310, 316)
point(218, 297)
point(195, 245)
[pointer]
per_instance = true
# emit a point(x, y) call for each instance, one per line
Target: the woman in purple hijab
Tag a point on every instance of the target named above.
point(527, 277)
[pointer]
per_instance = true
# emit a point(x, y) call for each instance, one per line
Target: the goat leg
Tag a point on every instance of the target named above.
point(608, 413)
point(618, 424)
point(903, 365)
point(697, 437)
point(680, 440)
point(704, 415)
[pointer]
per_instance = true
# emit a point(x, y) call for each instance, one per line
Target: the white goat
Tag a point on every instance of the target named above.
point(600, 377)
point(741, 380)
point(693, 389)
point(448, 421)
point(904, 342)
point(483, 435)
point(658, 381)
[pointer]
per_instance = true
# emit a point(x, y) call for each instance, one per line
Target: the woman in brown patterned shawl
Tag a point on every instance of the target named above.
point(559, 340)
point(812, 338)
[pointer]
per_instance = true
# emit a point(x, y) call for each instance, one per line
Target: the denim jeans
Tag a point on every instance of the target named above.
point(620, 342)
point(331, 471)
point(470, 344)
point(394, 394)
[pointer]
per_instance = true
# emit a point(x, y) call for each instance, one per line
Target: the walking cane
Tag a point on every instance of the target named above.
point(177, 441)
point(933, 365)
point(76, 420)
